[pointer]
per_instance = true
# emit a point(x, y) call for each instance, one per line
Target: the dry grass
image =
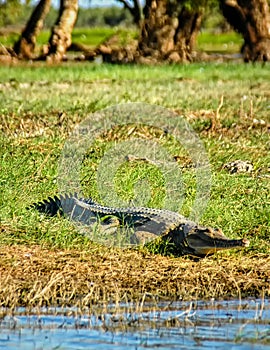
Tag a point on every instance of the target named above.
point(31, 275)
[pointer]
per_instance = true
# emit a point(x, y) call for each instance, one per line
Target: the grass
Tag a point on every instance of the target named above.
point(230, 42)
point(41, 105)
point(44, 277)
point(92, 37)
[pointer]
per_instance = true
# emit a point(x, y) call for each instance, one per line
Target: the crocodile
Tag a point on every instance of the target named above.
point(147, 224)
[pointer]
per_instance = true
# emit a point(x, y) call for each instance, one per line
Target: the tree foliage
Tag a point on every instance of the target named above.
point(135, 9)
point(100, 17)
point(10, 11)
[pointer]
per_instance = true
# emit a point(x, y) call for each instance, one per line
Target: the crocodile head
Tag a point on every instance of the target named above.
point(206, 241)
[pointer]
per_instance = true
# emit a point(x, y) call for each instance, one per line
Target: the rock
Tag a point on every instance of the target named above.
point(239, 166)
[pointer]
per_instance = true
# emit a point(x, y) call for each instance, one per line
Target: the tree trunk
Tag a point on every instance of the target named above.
point(25, 46)
point(251, 18)
point(186, 33)
point(169, 31)
point(60, 38)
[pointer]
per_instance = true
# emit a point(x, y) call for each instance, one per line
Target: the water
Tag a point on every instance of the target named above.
point(169, 325)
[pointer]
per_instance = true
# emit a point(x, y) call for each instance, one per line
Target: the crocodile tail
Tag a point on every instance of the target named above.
point(64, 204)
point(50, 206)
point(54, 205)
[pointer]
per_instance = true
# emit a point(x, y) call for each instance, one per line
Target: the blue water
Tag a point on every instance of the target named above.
point(168, 325)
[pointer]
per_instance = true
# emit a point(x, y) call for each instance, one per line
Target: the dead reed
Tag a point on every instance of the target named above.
point(35, 276)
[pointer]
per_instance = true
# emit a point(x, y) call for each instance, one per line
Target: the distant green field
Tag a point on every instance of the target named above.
point(207, 41)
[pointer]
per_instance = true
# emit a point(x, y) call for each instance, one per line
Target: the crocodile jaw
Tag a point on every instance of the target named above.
point(207, 241)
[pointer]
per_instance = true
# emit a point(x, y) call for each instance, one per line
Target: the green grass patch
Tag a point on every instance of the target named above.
point(94, 36)
point(9, 39)
point(219, 42)
point(41, 105)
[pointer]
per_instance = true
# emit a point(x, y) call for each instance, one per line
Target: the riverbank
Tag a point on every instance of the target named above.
point(32, 275)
